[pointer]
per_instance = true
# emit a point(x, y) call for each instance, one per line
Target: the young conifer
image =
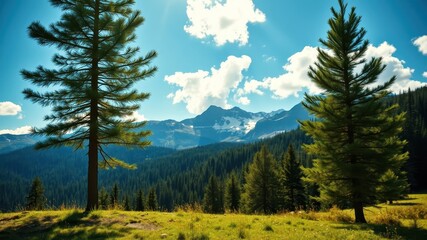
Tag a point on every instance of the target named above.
point(140, 201)
point(261, 181)
point(152, 203)
point(103, 199)
point(213, 199)
point(292, 190)
point(36, 199)
point(114, 196)
point(232, 193)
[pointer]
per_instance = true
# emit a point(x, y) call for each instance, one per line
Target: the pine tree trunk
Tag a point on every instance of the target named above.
point(358, 213)
point(92, 178)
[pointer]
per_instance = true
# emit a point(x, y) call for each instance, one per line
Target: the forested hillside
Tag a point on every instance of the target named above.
point(414, 103)
point(179, 177)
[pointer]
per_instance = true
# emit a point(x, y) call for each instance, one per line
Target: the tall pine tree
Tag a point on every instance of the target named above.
point(355, 134)
point(36, 199)
point(92, 87)
point(261, 181)
point(292, 191)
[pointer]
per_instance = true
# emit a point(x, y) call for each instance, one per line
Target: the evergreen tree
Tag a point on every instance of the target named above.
point(260, 189)
point(232, 193)
point(213, 200)
point(354, 133)
point(392, 187)
point(93, 82)
point(126, 204)
point(152, 203)
point(35, 198)
point(103, 199)
point(114, 196)
point(292, 191)
point(140, 201)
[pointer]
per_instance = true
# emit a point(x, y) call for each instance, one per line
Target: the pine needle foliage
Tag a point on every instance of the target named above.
point(35, 198)
point(92, 89)
point(355, 134)
point(292, 191)
point(213, 199)
point(232, 193)
point(261, 181)
point(152, 203)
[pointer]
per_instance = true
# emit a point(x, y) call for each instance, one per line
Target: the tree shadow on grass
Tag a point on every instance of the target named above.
point(76, 225)
point(389, 231)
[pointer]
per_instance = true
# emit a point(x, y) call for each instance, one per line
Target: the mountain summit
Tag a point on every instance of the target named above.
point(224, 125)
point(213, 125)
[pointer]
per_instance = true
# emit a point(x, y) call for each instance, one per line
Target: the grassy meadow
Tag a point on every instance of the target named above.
point(406, 219)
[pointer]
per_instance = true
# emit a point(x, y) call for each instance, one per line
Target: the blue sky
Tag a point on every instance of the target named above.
point(252, 54)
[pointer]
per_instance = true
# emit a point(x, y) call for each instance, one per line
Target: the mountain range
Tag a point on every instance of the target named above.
point(212, 126)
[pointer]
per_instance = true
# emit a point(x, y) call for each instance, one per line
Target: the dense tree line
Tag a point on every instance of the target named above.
point(180, 177)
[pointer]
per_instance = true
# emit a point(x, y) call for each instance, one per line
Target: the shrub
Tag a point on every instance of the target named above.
point(181, 236)
point(389, 218)
point(338, 215)
point(242, 233)
point(268, 228)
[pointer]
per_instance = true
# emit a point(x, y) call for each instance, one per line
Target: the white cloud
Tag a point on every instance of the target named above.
point(292, 82)
point(394, 67)
point(268, 58)
point(224, 20)
point(295, 79)
point(201, 89)
point(421, 43)
point(136, 116)
point(9, 109)
point(425, 74)
point(18, 131)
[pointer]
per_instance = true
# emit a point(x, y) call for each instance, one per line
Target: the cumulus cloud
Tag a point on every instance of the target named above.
point(225, 21)
point(394, 67)
point(425, 74)
point(9, 109)
point(18, 131)
point(201, 89)
point(295, 79)
point(136, 116)
point(421, 43)
point(292, 82)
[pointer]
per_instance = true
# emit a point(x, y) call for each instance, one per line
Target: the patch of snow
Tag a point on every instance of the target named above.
point(242, 125)
point(250, 124)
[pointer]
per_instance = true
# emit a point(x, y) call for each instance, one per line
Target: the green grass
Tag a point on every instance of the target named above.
point(114, 224)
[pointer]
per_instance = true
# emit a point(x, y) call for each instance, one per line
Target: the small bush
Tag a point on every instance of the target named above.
point(202, 236)
point(268, 228)
point(181, 236)
point(311, 215)
point(242, 233)
point(195, 207)
point(232, 225)
point(413, 213)
point(338, 215)
point(389, 218)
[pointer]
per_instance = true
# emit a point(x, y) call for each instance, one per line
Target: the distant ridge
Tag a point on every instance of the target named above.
point(212, 126)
